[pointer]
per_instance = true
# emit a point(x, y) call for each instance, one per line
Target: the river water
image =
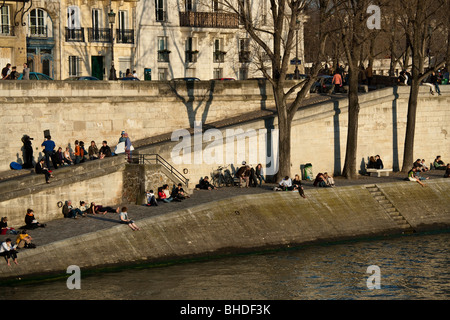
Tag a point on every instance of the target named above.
point(411, 268)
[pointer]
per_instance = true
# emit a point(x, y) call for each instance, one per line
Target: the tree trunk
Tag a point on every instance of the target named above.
point(349, 170)
point(408, 153)
point(284, 126)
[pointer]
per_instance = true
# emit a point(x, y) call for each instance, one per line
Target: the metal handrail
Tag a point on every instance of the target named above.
point(144, 158)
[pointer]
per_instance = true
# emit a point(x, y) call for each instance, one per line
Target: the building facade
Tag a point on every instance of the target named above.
point(160, 39)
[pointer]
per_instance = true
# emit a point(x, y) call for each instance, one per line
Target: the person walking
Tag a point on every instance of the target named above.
point(337, 81)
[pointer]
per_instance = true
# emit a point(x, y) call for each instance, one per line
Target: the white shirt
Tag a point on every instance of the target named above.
point(6, 247)
point(286, 183)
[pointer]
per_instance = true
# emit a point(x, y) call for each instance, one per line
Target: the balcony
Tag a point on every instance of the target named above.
point(219, 56)
point(163, 56)
point(99, 35)
point(38, 31)
point(75, 35)
point(6, 30)
point(209, 20)
point(125, 36)
point(191, 56)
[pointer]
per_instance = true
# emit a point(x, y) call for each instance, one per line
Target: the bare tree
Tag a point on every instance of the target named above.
point(416, 20)
point(276, 40)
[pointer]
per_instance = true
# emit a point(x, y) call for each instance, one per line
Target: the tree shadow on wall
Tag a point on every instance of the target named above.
point(194, 100)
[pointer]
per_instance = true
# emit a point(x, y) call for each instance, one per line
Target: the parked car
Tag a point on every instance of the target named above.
point(129, 79)
point(82, 78)
point(323, 84)
point(224, 79)
point(291, 76)
point(187, 79)
point(36, 76)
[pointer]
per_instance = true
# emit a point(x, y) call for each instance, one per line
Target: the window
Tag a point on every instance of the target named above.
point(162, 74)
point(160, 10)
point(189, 5)
point(38, 27)
point(215, 5)
point(244, 51)
point(191, 50)
point(74, 66)
point(5, 28)
point(74, 32)
point(218, 73)
point(123, 20)
point(219, 54)
point(163, 52)
point(243, 73)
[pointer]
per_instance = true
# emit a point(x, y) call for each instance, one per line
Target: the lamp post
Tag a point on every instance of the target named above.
point(430, 34)
point(112, 20)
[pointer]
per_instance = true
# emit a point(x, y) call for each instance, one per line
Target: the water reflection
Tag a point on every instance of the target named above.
point(415, 267)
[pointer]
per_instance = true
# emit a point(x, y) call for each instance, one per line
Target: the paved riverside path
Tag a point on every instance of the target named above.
point(67, 228)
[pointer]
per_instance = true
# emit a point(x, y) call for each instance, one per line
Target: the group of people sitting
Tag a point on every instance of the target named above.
point(165, 195)
point(420, 166)
point(375, 163)
point(9, 251)
point(288, 184)
point(69, 211)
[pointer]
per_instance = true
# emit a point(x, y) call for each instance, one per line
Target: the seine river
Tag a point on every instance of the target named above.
point(410, 268)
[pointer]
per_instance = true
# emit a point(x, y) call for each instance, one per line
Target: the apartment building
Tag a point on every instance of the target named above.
point(195, 38)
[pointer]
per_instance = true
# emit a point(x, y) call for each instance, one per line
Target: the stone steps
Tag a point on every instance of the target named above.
point(390, 209)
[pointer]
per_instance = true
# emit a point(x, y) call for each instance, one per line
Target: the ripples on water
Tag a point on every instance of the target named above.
point(415, 267)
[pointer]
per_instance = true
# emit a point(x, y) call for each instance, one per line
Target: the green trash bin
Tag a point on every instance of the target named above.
point(147, 74)
point(308, 172)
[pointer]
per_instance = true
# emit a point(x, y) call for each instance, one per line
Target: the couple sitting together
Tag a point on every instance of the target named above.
point(287, 184)
point(178, 194)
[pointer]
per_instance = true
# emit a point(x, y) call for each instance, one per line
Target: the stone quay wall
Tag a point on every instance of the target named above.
point(246, 224)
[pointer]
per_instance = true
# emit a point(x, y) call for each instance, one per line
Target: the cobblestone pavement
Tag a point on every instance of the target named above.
point(66, 228)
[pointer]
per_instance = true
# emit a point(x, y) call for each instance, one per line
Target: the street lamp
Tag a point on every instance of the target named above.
point(430, 34)
point(112, 20)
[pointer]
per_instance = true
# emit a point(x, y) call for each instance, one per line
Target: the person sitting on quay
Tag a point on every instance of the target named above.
point(124, 219)
point(98, 209)
point(151, 199)
point(79, 153)
point(424, 166)
point(320, 181)
point(67, 157)
point(41, 169)
point(447, 171)
point(70, 212)
point(205, 184)
point(297, 184)
point(8, 251)
point(372, 163)
point(259, 174)
point(179, 193)
point(285, 185)
point(4, 227)
point(438, 164)
point(23, 240)
point(31, 222)
point(93, 151)
point(412, 176)
point(328, 180)
point(243, 174)
point(105, 151)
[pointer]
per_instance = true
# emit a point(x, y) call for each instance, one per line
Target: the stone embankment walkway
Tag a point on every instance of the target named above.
point(67, 228)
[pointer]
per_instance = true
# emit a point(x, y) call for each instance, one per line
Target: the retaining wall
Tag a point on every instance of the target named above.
point(243, 224)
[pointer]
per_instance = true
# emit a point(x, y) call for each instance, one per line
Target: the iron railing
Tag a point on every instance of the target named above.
point(75, 35)
point(125, 36)
point(99, 35)
point(209, 20)
point(157, 159)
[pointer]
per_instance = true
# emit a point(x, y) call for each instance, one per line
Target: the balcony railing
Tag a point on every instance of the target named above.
point(99, 35)
point(75, 35)
point(6, 30)
point(209, 20)
point(191, 56)
point(219, 56)
point(163, 56)
point(38, 31)
point(125, 36)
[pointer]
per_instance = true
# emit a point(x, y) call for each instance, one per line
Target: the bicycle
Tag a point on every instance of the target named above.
point(222, 177)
